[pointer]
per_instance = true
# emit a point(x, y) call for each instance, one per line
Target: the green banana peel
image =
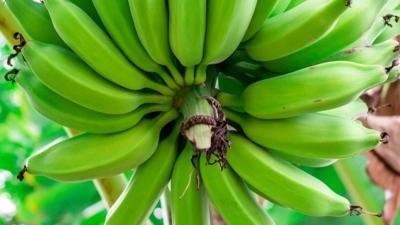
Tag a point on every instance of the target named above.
point(109, 188)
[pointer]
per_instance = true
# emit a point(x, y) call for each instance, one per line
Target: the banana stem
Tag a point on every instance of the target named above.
point(8, 24)
point(196, 105)
point(201, 74)
point(189, 75)
point(109, 188)
point(168, 80)
point(176, 74)
point(354, 178)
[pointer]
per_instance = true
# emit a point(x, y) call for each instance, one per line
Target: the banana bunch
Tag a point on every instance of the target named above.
point(152, 85)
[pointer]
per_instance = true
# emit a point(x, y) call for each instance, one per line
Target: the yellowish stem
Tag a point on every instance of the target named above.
point(8, 24)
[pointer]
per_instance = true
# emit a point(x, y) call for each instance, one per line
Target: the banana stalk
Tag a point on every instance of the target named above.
point(194, 105)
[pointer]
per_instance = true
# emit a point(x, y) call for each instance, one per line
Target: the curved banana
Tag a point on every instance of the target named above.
point(303, 161)
point(35, 21)
point(151, 22)
point(94, 46)
point(312, 135)
point(117, 19)
point(187, 27)
point(231, 197)
point(144, 189)
point(263, 9)
point(321, 87)
point(350, 26)
point(295, 29)
point(189, 204)
point(350, 110)
point(64, 73)
point(91, 156)
point(282, 182)
point(227, 23)
point(69, 114)
point(379, 54)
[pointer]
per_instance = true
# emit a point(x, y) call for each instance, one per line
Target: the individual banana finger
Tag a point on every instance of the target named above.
point(93, 156)
point(229, 194)
point(189, 203)
point(321, 87)
point(312, 135)
point(303, 26)
point(64, 73)
point(276, 179)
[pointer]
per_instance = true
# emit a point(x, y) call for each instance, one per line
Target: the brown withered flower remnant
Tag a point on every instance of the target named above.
point(384, 162)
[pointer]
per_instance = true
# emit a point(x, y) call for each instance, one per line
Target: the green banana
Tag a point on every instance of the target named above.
point(35, 21)
point(282, 182)
point(350, 26)
point(95, 48)
point(312, 135)
point(186, 32)
point(227, 23)
point(231, 197)
point(151, 22)
point(140, 196)
point(295, 29)
point(379, 54)
point(280, 8)
point(117, 19)
point(321, 87)
point(91, 156)
point(64, 73)
point(263, 9)
point(350, 110)
point(389, 32)
point(294, 3)
point(71, 115)
point(189, 204)
point(303, 161)
point(88, 7)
